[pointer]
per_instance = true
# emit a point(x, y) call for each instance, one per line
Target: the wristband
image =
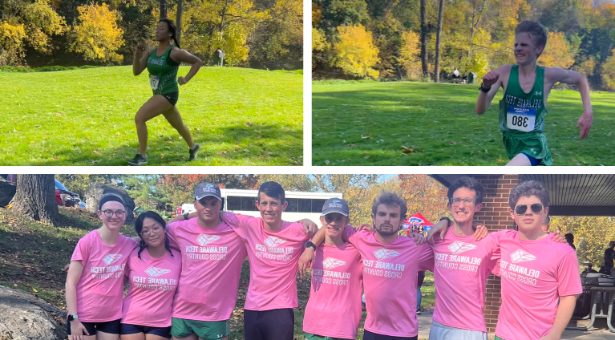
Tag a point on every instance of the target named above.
point(484, 89)
point(310, 244)
point(448, 221)
point(72, 317)
point(186, 216)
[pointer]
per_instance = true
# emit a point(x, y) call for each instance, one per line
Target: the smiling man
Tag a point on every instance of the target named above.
point(526, 90)
point(274, 247)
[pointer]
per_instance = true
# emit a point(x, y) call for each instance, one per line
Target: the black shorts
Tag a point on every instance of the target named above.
point(110, 327)
point(276, 324)
point(172, 97)
point(367, 335)
point(164, 332)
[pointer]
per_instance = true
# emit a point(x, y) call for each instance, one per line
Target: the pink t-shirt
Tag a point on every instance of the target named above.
point(211, 268)
point(153, 282)
point(461, 268)
point(274, 259)
point(390, 278)
point(534, 275)
point(101, 286)
point(334, 308)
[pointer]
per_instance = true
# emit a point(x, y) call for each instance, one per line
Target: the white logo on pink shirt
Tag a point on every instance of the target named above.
point(384, 253)
point(459, 247)
point(330, 263)
point(110, 258)
point(204, 240)
point(154, 272)
point(521, 256)
point(273, 241)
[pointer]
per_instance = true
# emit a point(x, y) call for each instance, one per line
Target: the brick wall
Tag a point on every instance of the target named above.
point(495, 214)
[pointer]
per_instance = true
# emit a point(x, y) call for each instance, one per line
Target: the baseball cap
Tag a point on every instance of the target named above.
point(207, 189)
point(335, 205)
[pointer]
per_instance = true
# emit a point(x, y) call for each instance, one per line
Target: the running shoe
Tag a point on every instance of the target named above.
point(418, 312)
point(138, 160)
point(193, 152)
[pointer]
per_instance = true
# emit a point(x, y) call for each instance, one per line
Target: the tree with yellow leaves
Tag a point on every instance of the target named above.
point(557, 53)
point(97, 35)
point(608, 72)
point(410, 53)
point(355, 51)
point(591, 235)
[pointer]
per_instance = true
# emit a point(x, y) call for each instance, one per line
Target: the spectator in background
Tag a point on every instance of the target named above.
point(609, 255)
point(419, 296)
point(456, 73)
point(545, 224)
point(588, 268)
point(570, 240)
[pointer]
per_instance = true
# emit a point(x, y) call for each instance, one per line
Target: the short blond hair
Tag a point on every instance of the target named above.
point(537, 31)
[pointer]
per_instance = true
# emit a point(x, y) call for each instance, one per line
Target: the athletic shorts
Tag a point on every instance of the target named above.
point(110, 327)
point(533, 161)
point(498, 338)
point(206, 330)
point(439, 331)
point(275, 324)
point(309, 336)
point(172, 97)
point(367, 335)
point(164, 332)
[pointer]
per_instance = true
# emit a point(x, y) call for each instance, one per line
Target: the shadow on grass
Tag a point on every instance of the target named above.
point(255, 139)
point(369, 125)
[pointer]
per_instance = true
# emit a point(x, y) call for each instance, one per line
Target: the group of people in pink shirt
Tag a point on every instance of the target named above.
point(184, 276)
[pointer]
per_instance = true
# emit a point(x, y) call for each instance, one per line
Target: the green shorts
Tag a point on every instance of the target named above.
point(206, 330)
point(498, 338)
point(309, 336)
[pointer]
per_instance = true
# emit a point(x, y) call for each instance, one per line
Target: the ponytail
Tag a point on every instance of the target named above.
point(172, 29)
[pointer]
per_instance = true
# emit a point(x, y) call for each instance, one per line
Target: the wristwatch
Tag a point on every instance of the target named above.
point(484, 89)
point(72, 317)
point(310, 244)
point(186, 216)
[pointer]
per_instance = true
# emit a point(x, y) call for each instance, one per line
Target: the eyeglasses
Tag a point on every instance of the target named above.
point(457, 201)
point(151, 232)
point(119, 213)
point(521, 209)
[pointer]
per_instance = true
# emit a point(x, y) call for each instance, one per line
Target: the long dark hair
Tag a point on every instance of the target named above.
point(172, 29)
point(139, 227)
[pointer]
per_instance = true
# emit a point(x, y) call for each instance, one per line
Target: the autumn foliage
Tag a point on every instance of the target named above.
point(355, 51)
point(97, 35)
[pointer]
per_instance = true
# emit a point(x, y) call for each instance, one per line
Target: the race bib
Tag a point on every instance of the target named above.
point(153, 82)
point(520, 119)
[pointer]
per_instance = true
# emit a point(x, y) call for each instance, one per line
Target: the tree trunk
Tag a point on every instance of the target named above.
point(35, 197)
point(178, 21)
point(438, 40)
point(424, 39)
point(163, 9)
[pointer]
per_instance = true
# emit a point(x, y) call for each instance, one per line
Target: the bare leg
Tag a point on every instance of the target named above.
point(155, 337)
point(152, 108)
point(136, 336)
point(175, 119)
point(106, 336)
point(519, 160)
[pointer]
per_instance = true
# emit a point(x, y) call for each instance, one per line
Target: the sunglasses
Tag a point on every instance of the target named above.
point(521, 209)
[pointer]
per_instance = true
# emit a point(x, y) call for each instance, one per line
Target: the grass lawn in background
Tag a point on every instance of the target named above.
point(239, 116)
point(406, 123)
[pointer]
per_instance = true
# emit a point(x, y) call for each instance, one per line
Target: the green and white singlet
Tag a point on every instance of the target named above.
point(522, 118)
point(162, 72)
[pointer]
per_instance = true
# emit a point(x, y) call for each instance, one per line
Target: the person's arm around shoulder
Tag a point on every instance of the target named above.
point(72, 279)
point(492, 81)
point(556, 74)
point(183, 56)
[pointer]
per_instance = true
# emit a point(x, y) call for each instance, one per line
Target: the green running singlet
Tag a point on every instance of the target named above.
point(522, 118)
point(162, 72)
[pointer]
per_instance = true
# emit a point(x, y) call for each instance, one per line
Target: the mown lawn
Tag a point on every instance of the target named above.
point(86, 117)
point(371, 123)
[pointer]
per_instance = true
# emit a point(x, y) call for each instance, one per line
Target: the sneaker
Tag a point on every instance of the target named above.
point(418, 312)
point(195, 149)
point(138, 160)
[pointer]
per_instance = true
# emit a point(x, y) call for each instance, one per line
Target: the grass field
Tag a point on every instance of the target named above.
point(371, 123)
point(32, 256)
point(86, 117)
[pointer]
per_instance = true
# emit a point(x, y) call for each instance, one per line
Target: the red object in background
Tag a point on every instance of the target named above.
point(417, 223)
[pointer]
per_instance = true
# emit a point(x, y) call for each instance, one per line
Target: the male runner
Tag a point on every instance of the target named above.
point(540, 279)
point(526, 90)
point(334, 308)
point(274, 247)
